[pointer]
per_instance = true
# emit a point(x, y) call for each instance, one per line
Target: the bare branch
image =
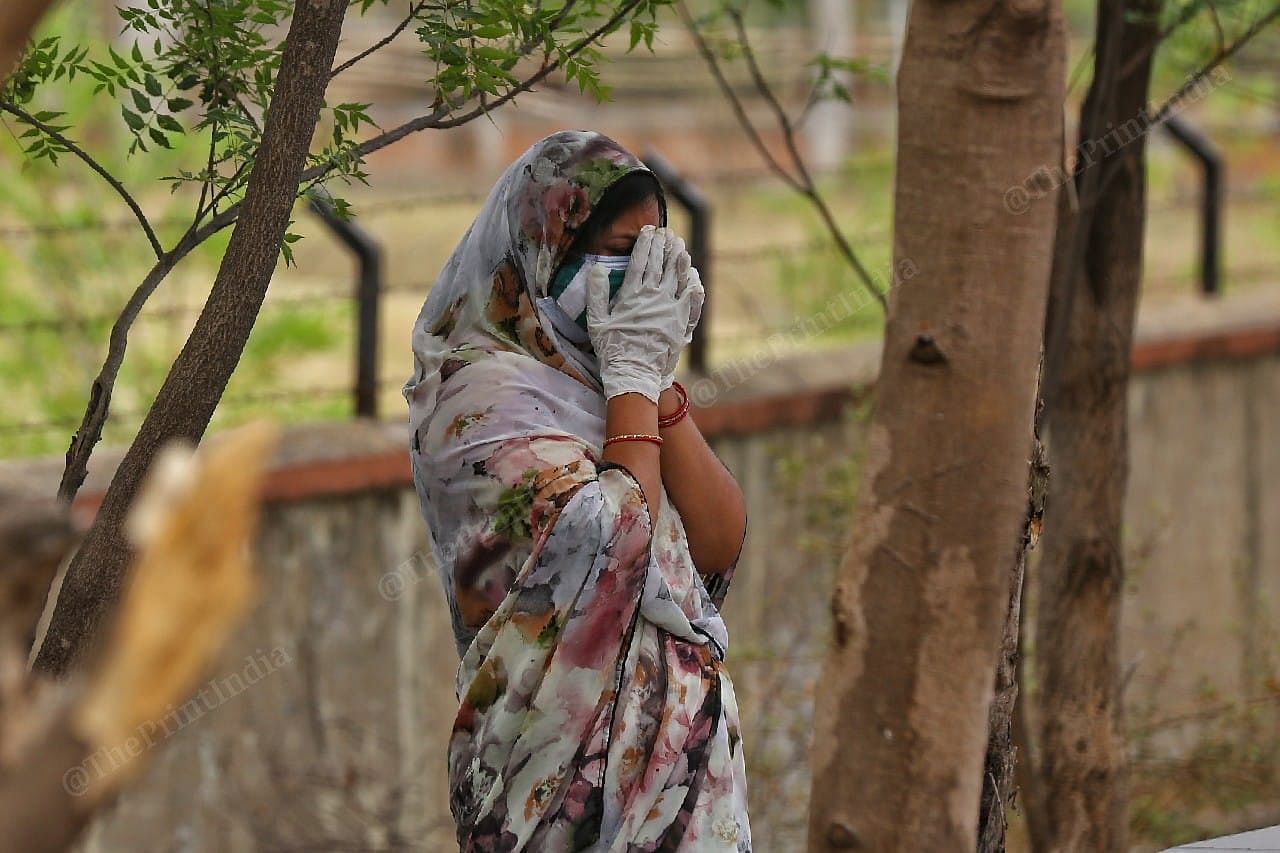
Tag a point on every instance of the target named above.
point(803, 184)
point(26, 117)
point(414, 9)
point(1187, 13)
point(1221, 57)
point(766, 92)
point(95, 416)
point(1219, 34)
point(713, 63)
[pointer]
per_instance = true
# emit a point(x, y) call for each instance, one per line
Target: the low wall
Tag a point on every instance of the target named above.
point(325, 727)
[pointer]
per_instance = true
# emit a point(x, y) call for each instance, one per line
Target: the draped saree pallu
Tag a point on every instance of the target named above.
point(595, 712)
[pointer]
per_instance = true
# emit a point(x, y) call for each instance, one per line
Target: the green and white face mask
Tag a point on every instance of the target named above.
point(569, 285)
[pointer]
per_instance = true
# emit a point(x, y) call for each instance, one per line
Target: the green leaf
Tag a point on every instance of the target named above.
point(159, 138)
point(132, 119)
point(153, 85)
point(169, 123)
point(140, 101)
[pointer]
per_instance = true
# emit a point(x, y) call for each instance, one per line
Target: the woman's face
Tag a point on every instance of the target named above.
point(620, 236)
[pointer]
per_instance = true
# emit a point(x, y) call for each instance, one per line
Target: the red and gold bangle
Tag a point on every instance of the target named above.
point(634, 436)
point(681, 410)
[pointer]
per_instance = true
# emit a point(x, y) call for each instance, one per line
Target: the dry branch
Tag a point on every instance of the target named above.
point(801, 181)
point(67, 748)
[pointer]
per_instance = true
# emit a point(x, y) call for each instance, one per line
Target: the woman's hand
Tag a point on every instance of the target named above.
point(643, 333)
point(689, 298)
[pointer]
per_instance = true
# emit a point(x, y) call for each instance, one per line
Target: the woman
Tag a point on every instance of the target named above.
point(584, 531)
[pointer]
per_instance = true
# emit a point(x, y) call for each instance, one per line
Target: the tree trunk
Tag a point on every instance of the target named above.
point(1097, 274)
point(195, 384)
point(921, 597)
point(18, 18)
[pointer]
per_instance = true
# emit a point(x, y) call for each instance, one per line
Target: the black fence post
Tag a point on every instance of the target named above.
point(699, 209)
point(368, 293)
point(1211, 165)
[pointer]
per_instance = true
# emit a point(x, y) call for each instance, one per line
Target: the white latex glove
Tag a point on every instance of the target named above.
point(689, 298)
point(634, 338)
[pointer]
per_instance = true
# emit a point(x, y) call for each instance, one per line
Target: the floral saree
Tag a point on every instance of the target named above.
point(595, 712)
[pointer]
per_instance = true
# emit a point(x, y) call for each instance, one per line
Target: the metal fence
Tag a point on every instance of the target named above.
point(367, 293)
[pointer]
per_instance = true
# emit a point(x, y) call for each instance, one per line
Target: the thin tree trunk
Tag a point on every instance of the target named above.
point(195, 384)
point(1097, 274)
point(921, 597)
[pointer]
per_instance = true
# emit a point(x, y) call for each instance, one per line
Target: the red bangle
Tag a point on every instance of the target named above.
point(637, 436)
point(681, 410)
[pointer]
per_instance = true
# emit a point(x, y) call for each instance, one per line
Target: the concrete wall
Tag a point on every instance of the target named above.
point(339, 742)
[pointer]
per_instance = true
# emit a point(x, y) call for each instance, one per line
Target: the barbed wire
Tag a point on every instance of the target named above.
point(163, 312)
point(733, 178)
point(168, 312)
point(132, 416)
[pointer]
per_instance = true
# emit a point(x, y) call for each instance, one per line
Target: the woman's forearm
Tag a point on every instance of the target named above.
point(635, 414)
point(703, 491)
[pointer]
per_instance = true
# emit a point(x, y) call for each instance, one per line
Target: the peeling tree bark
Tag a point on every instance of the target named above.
point(195, 384)
point(999, 776)
point(1097, 275)
point(921, 596)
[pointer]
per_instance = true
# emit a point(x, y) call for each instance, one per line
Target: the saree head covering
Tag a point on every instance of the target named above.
point(595, 712)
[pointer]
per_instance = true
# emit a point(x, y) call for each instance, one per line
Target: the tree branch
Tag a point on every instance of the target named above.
point(735, 102)
point(804, 184)
point(414, 9)
point(766, 91)
point(1186, 15)
point(98, 408)
point(194, 385)
point(1222, 56)
point(26, 117)
point(89, 434)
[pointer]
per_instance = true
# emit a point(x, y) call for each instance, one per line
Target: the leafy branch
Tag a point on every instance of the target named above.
point(798, 177)
point(55, 134)
point(224, 47)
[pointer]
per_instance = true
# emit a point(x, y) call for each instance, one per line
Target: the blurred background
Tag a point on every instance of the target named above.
point(343, 747)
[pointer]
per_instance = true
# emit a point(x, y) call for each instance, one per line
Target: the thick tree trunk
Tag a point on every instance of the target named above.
point(194, 385)
point(1097, 274)
point(17, 20)
point(999, 773)
point(921, 597)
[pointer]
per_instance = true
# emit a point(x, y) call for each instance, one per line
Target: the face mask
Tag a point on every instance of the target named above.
point(569, 285)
